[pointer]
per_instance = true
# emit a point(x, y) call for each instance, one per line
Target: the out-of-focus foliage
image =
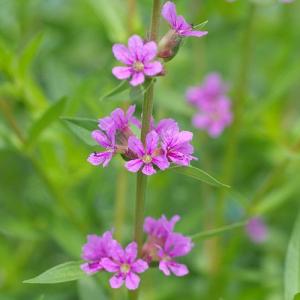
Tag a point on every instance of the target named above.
point(55, 66)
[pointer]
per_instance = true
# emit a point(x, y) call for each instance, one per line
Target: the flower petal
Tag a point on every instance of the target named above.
point(132, 281)
point(116, 281)
point(164, 268)
point(149, 51)
point(131, 252)
point(169, 13)
point(195, 33)
point(122, 72)
point(91, 268)
point(178, 269)
point(135, 145)
point(137, 79)
point(122, 54)
point(148, 169)
point(98, 158)
point(101, 138)
point(153, 68)
point(161, 161)
point(151, 142)
point(139, 266)
point(109, 265)
point(134, 165)
point(135, 45)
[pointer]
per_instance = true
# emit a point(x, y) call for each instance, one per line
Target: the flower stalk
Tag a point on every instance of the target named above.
point(141, 181)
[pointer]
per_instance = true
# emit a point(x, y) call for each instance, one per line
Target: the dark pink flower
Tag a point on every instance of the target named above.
point(138, 58)
point(107, 141)
point(164, 245)
point(176, 245)
point(146, 156)
point(178, 23)
point(96, 248)
point(176, 145)
point(257, 230)
point(125, 265)
point(163, 124)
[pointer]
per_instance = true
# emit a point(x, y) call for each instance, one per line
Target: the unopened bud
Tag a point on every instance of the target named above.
point(169, 45)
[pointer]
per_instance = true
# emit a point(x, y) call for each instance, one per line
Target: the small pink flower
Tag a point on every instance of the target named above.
point(178, 23)
point(146, 156)
point(214, 117)
point(125, 265)
point(107, 142)
point(176, 245)
point(138, 58)
point(257, 230)
point(164, 245)
point(176, 145)
point(214, 107)
point(96, 248)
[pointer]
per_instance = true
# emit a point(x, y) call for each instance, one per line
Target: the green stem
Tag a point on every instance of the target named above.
point(141, 181)
point(212, 233)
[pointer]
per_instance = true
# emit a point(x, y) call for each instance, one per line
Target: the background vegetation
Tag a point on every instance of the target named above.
point(56, 60)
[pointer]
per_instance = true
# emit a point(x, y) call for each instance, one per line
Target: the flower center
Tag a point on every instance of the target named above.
point(147, 159)
point(138, 66)
point(125, 268)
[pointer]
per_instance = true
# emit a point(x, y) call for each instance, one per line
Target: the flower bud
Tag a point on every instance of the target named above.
point(169, 45)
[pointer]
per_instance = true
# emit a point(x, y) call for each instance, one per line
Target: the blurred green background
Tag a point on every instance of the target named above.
point(56, 61)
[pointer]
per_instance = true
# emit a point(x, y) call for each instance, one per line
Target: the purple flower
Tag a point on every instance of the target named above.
point(161, 228)
point(125, 265)
point(146, 156)
point(176, 145)
point(96, 248)
point(212, 88)
point(257, 230)
point(176, 245)
point(138, 58)
point(163, 124)
point(107, 142)
point(119, 120)
point(178, 23)
point(214, 107)
point(214, 117)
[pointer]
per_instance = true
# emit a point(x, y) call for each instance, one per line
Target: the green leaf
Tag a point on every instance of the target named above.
point(292, 264)
point(215, 232)
point(137, 93)
point(29, 54)
point(198, 174)
point(123, 86)
point(201, 25)
point(82, 128)
point(69, 271)
point(89, 289)
point(50, 115)
point(297, 296)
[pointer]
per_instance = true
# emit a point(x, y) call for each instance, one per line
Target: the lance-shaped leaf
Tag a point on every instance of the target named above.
point(201, 25)
point(121, 91)
point(52, 114)
point(198, 174)
point(292, 265)
point(82, 128)
point(69, 271)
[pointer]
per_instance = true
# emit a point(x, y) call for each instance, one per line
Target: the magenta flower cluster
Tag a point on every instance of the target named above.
point(163, 245)
point(165, 143)
point(141, 58)
point(212, 104)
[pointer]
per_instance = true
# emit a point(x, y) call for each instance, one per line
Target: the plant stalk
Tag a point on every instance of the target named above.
point(141, 181)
